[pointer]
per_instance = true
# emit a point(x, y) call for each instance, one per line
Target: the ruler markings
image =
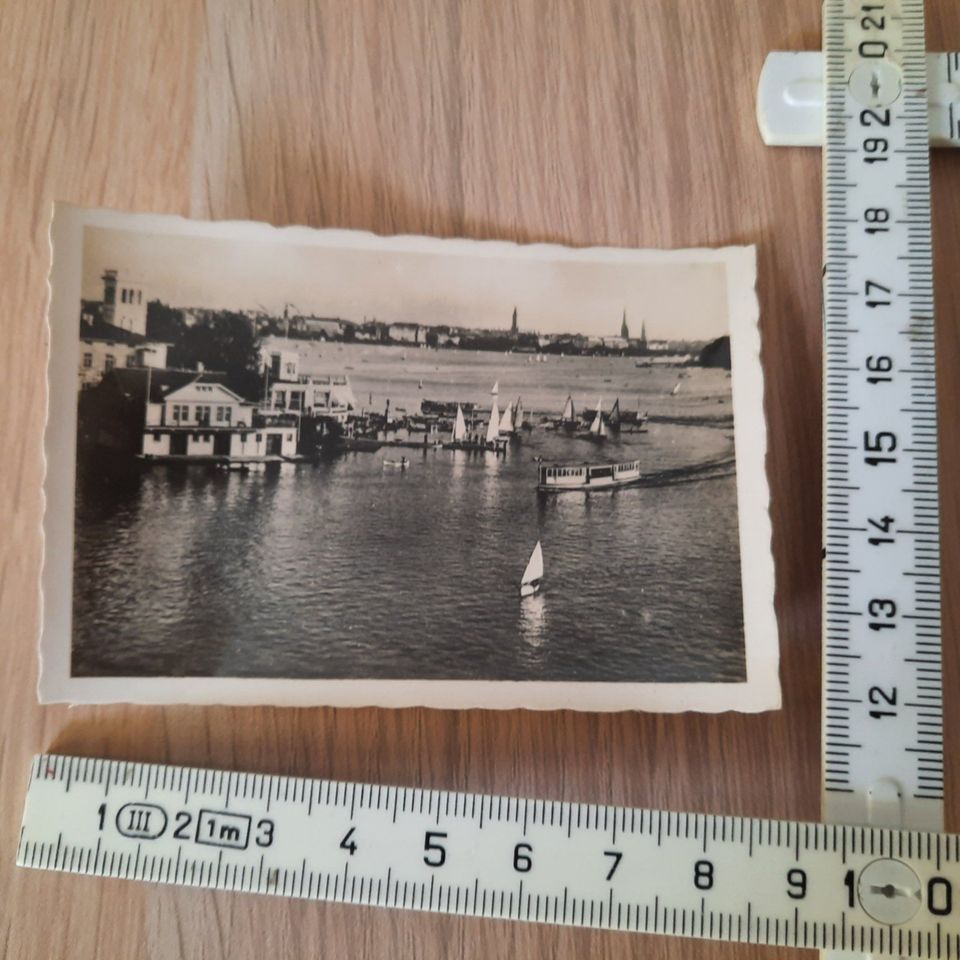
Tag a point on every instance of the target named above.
point(881, 570)
point(562, 869)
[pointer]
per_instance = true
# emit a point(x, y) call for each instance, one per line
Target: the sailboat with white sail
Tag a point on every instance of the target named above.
point(532, 578)
point(492, 440)
point(598, 429)
point(568, 418)
point(459, 427)
point(506, 422)
point(493, 424)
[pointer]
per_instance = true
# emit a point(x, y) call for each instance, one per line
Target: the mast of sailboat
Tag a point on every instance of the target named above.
point(614, 418)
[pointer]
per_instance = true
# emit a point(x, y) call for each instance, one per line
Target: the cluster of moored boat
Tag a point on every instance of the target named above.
point(597, 424)
point(500, 426)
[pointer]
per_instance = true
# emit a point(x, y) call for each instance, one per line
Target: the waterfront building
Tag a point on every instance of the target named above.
point(258, 441)
point(279, 358)
point(298, 379)
point(113, 330)
point(179, 415)
point(198, 403)
point(104, 347)
point(313, 396)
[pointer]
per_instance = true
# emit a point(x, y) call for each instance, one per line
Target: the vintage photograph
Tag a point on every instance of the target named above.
point(304, 466)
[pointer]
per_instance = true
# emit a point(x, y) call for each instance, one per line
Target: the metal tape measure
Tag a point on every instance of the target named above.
point(878, 888)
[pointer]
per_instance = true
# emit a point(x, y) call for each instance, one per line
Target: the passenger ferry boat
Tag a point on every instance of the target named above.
point(557, 477)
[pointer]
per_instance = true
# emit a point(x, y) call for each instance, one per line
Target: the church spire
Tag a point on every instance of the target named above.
point(514, 328)
point(624, 329)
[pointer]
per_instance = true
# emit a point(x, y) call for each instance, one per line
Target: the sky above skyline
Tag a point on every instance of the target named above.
point(676, 301)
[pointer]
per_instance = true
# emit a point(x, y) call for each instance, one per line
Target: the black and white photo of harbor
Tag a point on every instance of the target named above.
point(342, 463)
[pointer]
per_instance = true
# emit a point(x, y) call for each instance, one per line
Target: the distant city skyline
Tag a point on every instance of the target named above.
point(570, 296)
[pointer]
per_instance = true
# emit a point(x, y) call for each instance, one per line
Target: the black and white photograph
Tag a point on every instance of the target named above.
point(313, 466)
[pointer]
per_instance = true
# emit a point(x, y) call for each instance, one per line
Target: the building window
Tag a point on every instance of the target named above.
point(87, 361)
point(203, 414)
point(139, 296)
point(219, 414)
point(291, 369)
point(243, 438)
point(109, 362)
point(131, 359)
point(280, 400)
point(156, 435)
point(227, 414)
point(296, 399)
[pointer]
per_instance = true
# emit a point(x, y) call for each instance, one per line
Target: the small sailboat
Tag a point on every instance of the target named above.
point(568, 419)
point(597, 429)
point(495, 389)
point(518, 423)
point(420, 385)
point(676, 389)
point(532, 578)
point(613, 421)
point(493, 425)
point(459, 427)
point(506, 422)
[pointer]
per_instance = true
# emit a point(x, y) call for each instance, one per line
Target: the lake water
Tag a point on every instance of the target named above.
point(345, 568)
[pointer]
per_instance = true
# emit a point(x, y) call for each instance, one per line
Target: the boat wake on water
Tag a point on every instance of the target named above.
point(724, 466)
point(704, 420)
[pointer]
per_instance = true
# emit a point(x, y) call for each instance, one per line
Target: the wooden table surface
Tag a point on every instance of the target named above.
point(622, 122)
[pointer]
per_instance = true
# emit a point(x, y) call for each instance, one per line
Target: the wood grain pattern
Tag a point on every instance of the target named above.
point(624, 122)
